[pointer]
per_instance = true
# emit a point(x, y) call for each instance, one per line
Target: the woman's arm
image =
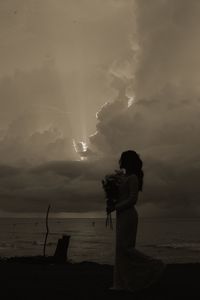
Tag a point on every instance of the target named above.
point(132, 195)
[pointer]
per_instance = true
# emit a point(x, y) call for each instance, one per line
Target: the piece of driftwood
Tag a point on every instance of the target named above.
point(47, 231)
point(61, 249)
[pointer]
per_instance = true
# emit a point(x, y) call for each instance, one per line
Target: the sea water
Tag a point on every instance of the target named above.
point(173, 240)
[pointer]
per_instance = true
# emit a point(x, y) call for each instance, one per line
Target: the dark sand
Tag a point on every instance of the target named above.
point(35, 278)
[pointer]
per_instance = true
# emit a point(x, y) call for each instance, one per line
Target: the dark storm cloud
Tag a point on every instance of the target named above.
point(166, 136)
point(169, 190)
point(67, 186)
point(6, 171)
point(173, 185)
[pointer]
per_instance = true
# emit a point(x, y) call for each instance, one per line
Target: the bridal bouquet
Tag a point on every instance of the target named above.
point(111, 184)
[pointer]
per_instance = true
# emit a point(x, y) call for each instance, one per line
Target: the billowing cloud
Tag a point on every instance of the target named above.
point(162, 123)
point(81, 38)
point(168, 43)
point(35, 122)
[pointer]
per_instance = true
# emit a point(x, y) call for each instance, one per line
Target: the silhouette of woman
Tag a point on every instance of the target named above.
point(133, 270)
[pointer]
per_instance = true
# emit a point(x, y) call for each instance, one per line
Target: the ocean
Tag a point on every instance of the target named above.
point(172, 240)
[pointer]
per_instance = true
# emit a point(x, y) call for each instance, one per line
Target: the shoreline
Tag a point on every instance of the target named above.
point(36, 277)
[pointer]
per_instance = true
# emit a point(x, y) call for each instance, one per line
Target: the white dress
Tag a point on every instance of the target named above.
point(133, 270)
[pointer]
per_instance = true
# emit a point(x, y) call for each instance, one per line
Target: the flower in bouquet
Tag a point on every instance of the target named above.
point(111, 184)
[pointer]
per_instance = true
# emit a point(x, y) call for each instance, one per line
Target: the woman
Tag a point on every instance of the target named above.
point(132, 270)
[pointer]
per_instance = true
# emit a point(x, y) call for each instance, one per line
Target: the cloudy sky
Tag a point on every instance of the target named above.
point(117, 74)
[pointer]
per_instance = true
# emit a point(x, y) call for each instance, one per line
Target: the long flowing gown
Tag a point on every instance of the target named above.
point(133, 270)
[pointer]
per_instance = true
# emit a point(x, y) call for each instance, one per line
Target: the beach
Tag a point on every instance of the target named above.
point(38, 278)
point(172, 240)
point(25, 274)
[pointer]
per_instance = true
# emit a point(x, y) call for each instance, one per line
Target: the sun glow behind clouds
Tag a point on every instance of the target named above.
point(80, 148)
point(130, 101)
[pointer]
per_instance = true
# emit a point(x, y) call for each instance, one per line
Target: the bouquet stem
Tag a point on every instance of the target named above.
point(109, 221)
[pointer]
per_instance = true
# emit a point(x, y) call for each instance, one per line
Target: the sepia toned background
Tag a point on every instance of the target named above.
point(105, 76)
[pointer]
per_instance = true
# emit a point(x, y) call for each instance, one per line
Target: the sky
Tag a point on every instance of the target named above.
point(116, 74)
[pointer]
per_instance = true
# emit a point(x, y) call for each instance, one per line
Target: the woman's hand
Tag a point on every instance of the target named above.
point(110, 208)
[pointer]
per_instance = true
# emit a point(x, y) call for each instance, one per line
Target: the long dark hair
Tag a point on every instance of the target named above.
point(132, 163)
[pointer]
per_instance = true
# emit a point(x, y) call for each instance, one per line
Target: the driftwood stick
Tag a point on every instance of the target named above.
point(47, 232)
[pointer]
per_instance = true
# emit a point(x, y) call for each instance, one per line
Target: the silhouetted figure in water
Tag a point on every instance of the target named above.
point(93, 223)
point(132, 270)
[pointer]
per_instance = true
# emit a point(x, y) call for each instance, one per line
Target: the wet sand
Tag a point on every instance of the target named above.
point(36, 278)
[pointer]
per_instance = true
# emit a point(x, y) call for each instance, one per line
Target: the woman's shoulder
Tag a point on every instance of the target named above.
point(132, 179)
